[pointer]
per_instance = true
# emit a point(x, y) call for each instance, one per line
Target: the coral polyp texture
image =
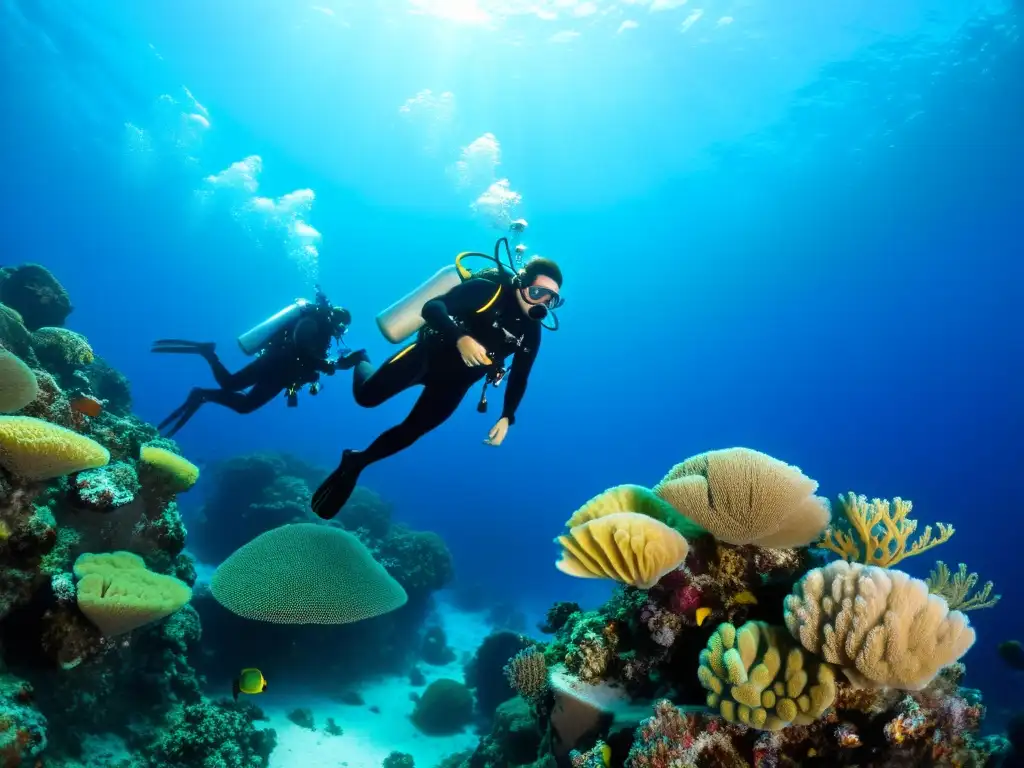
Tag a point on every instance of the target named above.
point(743, 496)
point(306, 573)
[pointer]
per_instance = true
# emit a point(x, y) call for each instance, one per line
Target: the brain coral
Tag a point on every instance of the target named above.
point(306, 573)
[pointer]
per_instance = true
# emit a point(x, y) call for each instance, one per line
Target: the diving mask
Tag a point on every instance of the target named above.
point(538, 294)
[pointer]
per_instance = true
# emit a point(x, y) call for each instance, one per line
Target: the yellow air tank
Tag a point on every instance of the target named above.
point(403, 318)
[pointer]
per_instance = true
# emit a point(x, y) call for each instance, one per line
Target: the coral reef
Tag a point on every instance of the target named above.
point(96, 634)
point(755, 650)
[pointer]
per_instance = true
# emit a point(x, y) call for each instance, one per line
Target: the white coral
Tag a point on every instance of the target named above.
point(880, 625)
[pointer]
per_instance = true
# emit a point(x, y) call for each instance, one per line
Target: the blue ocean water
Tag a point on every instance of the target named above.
point(795, 227)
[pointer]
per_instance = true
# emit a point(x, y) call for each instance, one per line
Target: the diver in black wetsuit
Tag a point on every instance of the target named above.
point(291, 351)
point(469, 333)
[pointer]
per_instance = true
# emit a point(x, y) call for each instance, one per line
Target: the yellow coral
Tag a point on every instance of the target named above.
point(182, 473)
point(757, 676)
point(633, 498)
point(956, 588)
point(117, 593)
point(34, 449)
point(628, 547)
point(18, 385)
point(882, 530)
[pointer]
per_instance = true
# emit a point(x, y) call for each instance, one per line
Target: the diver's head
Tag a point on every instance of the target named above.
point(341, 319)
point(537, 287)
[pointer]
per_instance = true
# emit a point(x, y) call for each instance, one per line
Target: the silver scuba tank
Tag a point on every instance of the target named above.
point(403, 318)
point(253, 340)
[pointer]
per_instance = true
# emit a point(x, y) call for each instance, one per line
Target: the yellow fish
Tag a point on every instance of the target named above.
point(250, 681)
point(746, 597)
point(606, 754)
point(702, 614)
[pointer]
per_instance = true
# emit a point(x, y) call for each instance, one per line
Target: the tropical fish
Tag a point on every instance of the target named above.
point(702, 614)
point(250, 681)
point(88, 405)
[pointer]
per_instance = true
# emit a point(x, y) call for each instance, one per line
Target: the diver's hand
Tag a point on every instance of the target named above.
point(497, 434)
point(472, 351)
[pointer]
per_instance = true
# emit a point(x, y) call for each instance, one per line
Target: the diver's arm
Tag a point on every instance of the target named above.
point(462, 300)
point(522, 364)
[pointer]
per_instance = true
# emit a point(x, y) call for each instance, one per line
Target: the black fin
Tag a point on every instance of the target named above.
point(336, 490)
point(235, 689)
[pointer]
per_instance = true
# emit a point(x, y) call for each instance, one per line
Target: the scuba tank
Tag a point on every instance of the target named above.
point(405, 317)
point(253, 340)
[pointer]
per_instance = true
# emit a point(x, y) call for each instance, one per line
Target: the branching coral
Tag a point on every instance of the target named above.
point(877, 533)
point(956, 588)
point(527, 673)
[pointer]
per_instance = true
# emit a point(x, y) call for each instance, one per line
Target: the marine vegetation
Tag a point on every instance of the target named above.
point(733, 640)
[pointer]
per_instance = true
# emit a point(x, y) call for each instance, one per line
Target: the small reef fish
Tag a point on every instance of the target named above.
point(88, 405)
point(250, 681)
point(702, 614)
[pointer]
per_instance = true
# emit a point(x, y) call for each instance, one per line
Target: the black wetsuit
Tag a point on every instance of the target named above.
point(294, 359)
point(478, 308)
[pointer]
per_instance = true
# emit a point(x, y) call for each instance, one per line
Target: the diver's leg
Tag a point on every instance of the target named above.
point(262, 392)
point(373, 386)
point(435, 405)
point(246, 377)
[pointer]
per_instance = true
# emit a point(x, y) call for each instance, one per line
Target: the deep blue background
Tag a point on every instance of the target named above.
point(819, 258)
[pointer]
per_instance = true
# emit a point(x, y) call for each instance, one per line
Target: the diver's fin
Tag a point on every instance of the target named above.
point(235, 690)
point(183, 346)
point(333, 492)
point(181, 415)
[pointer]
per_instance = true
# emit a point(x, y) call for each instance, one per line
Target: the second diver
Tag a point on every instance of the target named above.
point(291, 350)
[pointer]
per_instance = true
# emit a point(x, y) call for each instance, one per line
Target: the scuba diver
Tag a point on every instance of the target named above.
point(466, 332)
point(291, 350)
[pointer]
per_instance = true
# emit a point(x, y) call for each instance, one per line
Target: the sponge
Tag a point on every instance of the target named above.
point(34, 449)
point(117, 593)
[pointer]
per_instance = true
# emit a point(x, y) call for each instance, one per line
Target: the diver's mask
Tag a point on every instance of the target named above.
point(541, 300)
